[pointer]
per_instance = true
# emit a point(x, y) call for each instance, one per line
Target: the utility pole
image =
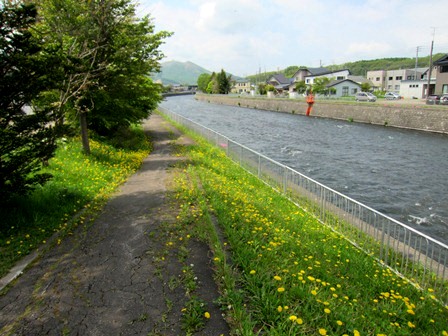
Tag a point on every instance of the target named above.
point(430, 63)
point(416, 62)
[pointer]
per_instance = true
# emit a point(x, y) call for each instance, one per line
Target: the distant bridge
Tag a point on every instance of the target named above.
point(180, 93)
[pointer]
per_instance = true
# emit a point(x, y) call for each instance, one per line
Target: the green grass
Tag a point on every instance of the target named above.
point(79, 188)
point(281, 272)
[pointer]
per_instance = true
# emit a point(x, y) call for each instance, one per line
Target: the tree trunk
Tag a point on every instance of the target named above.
point(84, 132)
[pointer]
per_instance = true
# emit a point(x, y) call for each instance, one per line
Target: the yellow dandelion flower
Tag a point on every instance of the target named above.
point(252, 272)
point(279, 309)
point(314, 292)
point(322, 332)
point(327, 311)
point(299, 321)
point(277, 278)
point(280, 289)
point(411, 325)
point(293, 318)
point(339, 323)
point(410, 311)
point(356, 332)
point(207, 315)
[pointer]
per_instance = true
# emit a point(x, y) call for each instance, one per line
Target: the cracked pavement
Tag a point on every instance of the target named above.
point(105, 279)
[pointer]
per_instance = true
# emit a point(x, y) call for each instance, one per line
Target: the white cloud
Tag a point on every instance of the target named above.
point(245, 35)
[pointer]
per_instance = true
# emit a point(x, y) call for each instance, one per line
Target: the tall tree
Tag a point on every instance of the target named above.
point(203, 81)
point(223, 82)
point(109, 55)
point(27, 133)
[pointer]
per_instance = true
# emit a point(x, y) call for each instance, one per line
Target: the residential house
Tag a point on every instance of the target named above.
point(337, 75)
point(441, 70)
point(308, 75)
point(241, 85)
point(279, 82)
point(344, 88)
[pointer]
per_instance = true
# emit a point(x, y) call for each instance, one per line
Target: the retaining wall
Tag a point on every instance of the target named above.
point(418, 117)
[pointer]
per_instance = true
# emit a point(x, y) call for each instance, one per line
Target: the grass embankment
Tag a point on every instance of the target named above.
point(283, 273)
point(79, 182)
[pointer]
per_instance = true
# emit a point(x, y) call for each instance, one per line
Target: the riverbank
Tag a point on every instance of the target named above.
point(409, 115)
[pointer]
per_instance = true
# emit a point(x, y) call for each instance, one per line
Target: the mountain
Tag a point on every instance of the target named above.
point(174, 72)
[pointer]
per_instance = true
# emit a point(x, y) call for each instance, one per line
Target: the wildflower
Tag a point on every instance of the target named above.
point(322, 332)
point(277, 278)
point(207, 315)
point(252, 272)
point(299, 321)
point(293, 318)
point(411, 325)
point(314, 292)
point(279, 309)
point(339, 323)
point(327, 311)
point(356, 332)
point(280, 289)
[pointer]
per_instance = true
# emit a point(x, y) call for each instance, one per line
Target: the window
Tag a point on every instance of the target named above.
point(399, 77)
point(378, 79)
point(340, 77)
point(397, 87)
point(354, 90)
point(391, 78)
point(345, 90)
point(444, 68)
point(444, 88)
point(389, 87)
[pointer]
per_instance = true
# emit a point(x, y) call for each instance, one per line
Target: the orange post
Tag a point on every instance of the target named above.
point(310, 102)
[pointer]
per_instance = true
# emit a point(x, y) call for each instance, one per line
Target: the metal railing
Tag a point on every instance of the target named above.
point(417, 257)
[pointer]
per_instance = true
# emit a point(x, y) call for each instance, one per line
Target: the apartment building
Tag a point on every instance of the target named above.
point(390, 80)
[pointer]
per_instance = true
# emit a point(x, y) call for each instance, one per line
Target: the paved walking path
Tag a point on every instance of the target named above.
point(103, 280)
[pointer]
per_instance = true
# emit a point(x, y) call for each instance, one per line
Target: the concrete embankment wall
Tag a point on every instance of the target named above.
point(402, 115)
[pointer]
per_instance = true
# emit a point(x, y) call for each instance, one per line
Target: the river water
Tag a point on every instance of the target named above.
point(401, 173)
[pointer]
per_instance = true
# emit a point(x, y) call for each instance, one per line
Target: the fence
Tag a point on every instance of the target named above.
point(413, 255)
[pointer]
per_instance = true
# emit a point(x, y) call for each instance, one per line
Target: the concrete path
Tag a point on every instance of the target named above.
point(104, 280)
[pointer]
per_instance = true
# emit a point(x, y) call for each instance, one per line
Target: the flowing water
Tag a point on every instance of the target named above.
point(401, 173)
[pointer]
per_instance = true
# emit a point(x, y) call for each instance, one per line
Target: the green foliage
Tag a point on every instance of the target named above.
point(290, 71)
point(27, 69)
point(319, 85)
point(78, 182)
point(109, 55)
point(262, 88)
point(270, 88)
point(301, 87)
point(365, 87)
point(203, 81)
point(223, 82)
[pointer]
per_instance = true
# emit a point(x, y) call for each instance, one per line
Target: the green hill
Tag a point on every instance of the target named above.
point(174, 72)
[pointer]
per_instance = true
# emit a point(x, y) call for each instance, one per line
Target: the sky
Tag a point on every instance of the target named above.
point(245, 37)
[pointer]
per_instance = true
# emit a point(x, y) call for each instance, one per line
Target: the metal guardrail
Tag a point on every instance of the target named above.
point(413, 255)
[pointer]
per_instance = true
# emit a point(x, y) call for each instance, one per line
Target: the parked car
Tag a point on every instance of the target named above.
point(433, 100)
point(365, 96)
point(444, 99)
point(392, 96)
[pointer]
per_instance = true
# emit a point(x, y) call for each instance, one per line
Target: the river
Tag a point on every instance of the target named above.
point(401, 173)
